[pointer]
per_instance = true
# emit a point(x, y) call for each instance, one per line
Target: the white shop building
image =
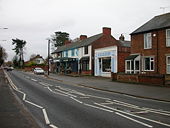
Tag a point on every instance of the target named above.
point(105, 61)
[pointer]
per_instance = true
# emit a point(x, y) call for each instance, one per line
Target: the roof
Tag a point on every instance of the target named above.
point(131, 57)
point(79, 44)
point(158, 22)
point(86, 42)
point(125, 43)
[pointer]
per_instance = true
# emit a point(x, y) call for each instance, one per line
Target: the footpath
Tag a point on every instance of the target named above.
point(160, 93)
point(12, 113)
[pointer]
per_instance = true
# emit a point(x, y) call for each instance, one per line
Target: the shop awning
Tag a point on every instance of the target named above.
point(65, 59)
point(85, 58)
point(131, 57)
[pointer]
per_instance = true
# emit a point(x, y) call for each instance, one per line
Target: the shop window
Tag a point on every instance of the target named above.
point(147, 41)
point(85, 65)
point(86, 50)
point(149, 64)
point(168, 64)
point(106, 64)
point(168, 37)
point(72, 52)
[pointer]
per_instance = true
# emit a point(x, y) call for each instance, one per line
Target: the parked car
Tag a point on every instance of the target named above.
point(38, 71)
point(9, 68)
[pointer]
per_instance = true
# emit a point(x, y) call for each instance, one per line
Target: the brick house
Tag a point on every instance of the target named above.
point(150, 47)
point(97, 55)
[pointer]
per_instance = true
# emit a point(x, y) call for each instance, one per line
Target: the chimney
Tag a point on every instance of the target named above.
point(67, 42)
point(122, 38)
point(106, 31)
point(82, 37)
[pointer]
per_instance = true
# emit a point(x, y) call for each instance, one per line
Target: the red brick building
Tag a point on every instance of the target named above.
point(150, 47)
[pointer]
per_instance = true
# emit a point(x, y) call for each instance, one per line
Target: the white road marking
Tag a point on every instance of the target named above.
point(98, 107)
point(55, 92)
point(166, 113)
point(36, 105)
point(24, 97)
point(65, 93)
point(76, 100)
point(46, 116)
point(53, 126)
point(98, 97)
point(154, 121)
point(34, 80)
point(147, 125)
point(45, 84)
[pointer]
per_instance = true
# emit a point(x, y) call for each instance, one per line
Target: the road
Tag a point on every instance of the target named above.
point(56, 104)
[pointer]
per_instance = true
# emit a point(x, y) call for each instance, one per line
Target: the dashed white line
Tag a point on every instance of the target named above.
point(76, 100)
point(34, 80)
point(98, 107)
point(53, 126)
point(154, 121)
point(147, 125)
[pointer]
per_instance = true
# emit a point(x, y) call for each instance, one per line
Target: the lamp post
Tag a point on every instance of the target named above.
point(48, 56)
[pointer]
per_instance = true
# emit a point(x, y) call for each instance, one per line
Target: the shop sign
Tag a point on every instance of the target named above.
point(105, 53)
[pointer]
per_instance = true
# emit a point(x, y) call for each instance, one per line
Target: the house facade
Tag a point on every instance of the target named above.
point(97, 55)
point(150, 47)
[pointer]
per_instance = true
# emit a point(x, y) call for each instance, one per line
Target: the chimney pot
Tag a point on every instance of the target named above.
point(122, 38)
point(82, 37)
point(67, 42)
point(106, 31)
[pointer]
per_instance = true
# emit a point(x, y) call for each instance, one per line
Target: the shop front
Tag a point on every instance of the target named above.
point(105, 61)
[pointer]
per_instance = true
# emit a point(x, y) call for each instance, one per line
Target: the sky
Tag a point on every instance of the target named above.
point(36, 20)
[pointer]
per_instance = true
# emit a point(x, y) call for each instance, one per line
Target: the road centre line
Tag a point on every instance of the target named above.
point(98, 107)
point(55, 92)
point(76, 100)
point(147, 125)
point(98, 97)
point(46, 116)
point(45, 84)
point(139, 108)
point(154, 121)
point(65, 93)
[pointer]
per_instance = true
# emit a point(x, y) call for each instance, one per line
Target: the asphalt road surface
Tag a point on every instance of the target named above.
point(57, 104)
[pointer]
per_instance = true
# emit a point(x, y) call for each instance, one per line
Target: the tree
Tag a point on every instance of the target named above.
point(59, 38)
point(19, 45)
point(15, 61)
point(3, 55)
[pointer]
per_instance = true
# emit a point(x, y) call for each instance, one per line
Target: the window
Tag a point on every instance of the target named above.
point(72, 52)
point(147, 41)
point(86, 50)
point(149, 64)
point(66, 53)
point(168, 64)
point(85, 65)
point(168, 37)
point(106, 64)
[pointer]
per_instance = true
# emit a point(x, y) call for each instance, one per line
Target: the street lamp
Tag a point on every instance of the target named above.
point(48, 56)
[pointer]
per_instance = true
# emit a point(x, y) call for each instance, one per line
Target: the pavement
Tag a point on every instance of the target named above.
point(12, 112)
point(161, 93)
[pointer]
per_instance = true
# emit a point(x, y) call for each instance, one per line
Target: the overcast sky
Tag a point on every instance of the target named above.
point(36, 20)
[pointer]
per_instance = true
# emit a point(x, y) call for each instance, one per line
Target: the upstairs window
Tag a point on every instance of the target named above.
point(149, 64)
point(168, 37)
point(86, 50)
point(147, 41)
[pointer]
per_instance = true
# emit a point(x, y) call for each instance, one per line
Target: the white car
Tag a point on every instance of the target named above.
point(38, 71)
